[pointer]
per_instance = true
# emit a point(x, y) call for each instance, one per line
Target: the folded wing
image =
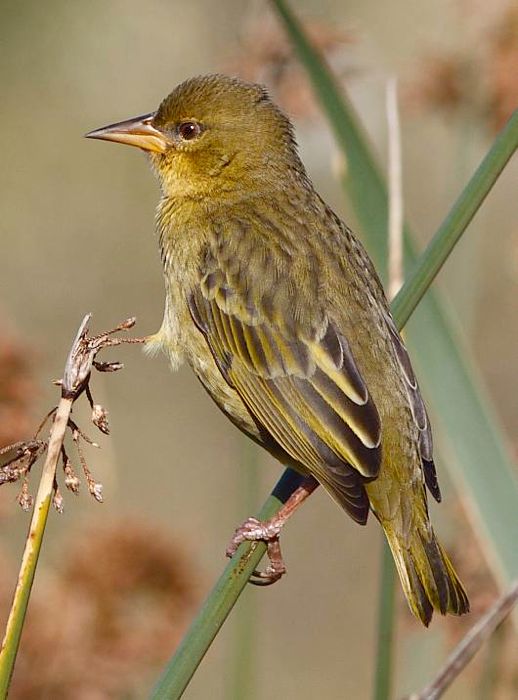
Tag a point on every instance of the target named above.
point(304, 387)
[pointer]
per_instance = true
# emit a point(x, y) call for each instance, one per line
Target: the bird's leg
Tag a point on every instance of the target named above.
point(268, 531)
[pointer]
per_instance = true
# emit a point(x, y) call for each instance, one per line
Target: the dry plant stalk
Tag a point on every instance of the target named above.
point(470, 644)
point(395, 192)
point(21, 457)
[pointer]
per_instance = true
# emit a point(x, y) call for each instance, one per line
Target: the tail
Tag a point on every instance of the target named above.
point(428, 578)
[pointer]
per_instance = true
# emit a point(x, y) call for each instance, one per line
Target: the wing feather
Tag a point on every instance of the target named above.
point(306, 392)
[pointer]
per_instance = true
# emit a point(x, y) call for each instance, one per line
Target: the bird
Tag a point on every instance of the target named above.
point(277, 308)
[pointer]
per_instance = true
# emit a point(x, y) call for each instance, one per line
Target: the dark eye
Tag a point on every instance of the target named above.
point(189, 130)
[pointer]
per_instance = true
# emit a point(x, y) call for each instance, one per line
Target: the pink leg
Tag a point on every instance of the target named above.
point(269, 531)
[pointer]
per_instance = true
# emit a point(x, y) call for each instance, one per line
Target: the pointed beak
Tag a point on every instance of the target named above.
point(137, 132)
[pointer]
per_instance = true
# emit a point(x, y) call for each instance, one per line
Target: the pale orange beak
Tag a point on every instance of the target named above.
point(137, 132)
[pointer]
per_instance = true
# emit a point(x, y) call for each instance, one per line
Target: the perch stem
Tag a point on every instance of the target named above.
point(32, 549)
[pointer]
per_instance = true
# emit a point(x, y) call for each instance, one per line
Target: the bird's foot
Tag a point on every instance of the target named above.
point(253, 530)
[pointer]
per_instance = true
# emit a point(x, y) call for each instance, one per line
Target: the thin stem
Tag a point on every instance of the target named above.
point(32, 549)
point(395, 192)
point(76, 376)
point(469, 646)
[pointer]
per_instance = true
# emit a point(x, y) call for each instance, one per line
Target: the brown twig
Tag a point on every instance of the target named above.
point(469, 646)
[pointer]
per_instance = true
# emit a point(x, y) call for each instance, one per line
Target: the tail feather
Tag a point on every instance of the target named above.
point(428, 578)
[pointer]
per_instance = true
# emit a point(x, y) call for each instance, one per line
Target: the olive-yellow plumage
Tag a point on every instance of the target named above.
point(278, 309)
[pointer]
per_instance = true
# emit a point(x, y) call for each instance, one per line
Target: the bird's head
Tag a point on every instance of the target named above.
point(213, 134)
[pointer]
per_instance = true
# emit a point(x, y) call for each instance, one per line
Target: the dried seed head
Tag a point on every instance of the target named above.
point(128, 323)
point(96, 489)
point(100, 418)
point(72, 483)
point(57, 501)
point(25, 499)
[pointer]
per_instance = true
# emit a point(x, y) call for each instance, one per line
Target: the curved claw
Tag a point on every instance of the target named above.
point(275, 569)
point(264, 578)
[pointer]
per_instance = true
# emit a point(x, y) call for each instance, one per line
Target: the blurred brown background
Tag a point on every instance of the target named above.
point(76, 229)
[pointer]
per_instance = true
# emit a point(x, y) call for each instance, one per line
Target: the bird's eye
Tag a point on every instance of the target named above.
point(189, 130)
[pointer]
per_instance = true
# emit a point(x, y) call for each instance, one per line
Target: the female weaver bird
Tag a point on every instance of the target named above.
point(277, 308)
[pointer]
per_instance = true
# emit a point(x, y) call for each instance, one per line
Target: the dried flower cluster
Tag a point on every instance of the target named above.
point(17, 460)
